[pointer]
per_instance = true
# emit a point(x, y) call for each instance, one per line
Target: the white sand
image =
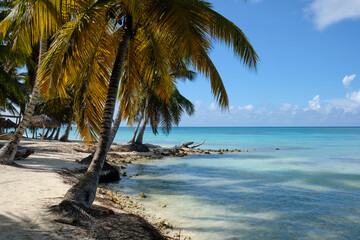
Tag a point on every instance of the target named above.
point(26, 193)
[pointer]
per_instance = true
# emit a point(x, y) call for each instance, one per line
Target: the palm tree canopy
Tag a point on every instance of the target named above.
point(164, 32)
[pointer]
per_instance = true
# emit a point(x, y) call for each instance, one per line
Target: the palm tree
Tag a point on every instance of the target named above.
point(30, 23)
point(164, 111)
point(13, 91)
point(166, 114)
point(188, 27)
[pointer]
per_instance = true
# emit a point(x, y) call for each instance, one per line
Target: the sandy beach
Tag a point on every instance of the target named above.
point(28, 192)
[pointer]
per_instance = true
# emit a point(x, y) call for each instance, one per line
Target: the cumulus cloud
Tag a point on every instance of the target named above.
point(314, 104)
point(247, 107)
point(212, 107)
point(354, 96)
point(347, 80)
point(327, 12)
point(286, 107)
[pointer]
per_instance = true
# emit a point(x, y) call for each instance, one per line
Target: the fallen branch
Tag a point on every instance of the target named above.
point(176, 148)
point(198, 144)
point(183, 145)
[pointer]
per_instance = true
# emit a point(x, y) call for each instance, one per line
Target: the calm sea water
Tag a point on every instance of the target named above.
point(309, 189)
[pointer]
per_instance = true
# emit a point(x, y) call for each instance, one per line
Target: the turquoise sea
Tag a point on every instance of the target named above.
point(309, 189)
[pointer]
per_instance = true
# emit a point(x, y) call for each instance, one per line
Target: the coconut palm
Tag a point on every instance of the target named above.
point(163, 113)
point(187, 26)
point(31, 23)
point(13, 91)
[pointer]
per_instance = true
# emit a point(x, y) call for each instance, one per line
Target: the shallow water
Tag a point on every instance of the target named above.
point(309, 189)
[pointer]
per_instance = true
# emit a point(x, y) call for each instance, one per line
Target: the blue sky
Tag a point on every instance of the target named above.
point(309, 69)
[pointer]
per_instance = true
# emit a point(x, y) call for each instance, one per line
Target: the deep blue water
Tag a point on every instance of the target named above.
point(309, 189)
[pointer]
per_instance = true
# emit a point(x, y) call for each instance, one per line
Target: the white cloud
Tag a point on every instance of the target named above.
point(212, 107)
point(198, 104)
point(354, 96)
point(314, 104)
point(347, 80)
point(247, 107)
point(286, 107)
point(327, 12)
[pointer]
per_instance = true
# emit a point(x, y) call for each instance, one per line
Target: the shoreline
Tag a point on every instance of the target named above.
point(59, 161)
point(41, 184)
point(29, 193)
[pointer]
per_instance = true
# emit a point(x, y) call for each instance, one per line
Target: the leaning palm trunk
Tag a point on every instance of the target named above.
point(136, 130)
point(115, 127)
point(52, 133)
point(81, 195)
point(140, 137)
point(7, 153)
point(47, 133)
point(65, 136)
point(57, 133)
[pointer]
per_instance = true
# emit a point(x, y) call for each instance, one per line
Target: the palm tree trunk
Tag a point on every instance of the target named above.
point(65, 136)
point(136, 129)
point(7, 153)
point(115, 127)
point(42, 135)
point(57, 133)
point(47, 132)
point(140, 137)
point(82, 194)
point(52, 133)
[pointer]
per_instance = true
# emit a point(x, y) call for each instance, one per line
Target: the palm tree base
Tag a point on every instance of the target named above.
point(74, 209)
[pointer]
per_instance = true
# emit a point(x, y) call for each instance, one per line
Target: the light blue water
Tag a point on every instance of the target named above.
point(309, 189)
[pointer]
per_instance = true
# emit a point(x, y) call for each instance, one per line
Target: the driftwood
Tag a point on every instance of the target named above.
point(178, 147)
point(183, 145)
point(198, 144)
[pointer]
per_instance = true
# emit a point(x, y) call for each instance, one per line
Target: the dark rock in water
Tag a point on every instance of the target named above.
point(108, 173)
point(277, 148)
point(139, 147)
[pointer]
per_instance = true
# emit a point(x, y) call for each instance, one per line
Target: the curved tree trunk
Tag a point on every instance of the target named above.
point(47, 133)
point(82, 194)
point(140, 137)
point(115, 127)
point(136, 130)
point(57, 133)
point(7, 153)
point(65, 136)
point(52, 133)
